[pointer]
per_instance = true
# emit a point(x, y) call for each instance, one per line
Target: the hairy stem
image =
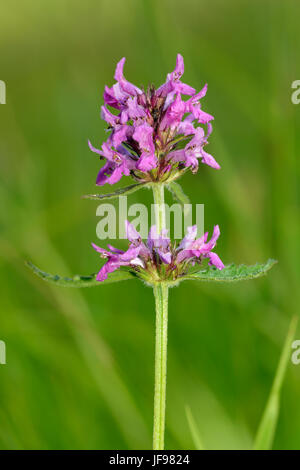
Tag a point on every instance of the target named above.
point(161, 336)
point(159, 204)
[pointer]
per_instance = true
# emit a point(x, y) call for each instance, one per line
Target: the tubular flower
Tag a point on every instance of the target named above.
point(157, 259)
point(154, 135)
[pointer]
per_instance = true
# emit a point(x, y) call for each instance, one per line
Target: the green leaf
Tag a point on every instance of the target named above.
point(81, 281)
point(178, 193)
point(231, 273)
point(119, 192)
point(266, 430)
point(194, 429)
point(179, 142)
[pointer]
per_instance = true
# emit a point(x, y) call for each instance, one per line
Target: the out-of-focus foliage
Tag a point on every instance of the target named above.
point(79, 370)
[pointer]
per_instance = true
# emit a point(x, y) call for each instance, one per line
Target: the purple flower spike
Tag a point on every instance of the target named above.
point(158, 259)
point(149, 125)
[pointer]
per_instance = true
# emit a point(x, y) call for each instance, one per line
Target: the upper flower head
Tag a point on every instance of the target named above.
point(147, 128)
point(158, 259)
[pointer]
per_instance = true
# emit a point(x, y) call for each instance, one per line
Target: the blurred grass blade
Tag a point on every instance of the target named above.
point(232, 273)
point(119, 192)
point(178, 193)
point(194, 429)
point(266, 430)
point(80, 281)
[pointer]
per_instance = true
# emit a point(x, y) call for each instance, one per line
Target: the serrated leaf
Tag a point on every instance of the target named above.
point(231, 273)
point(81, 281)
point(266, 430)
point(119, 192)
point(178, 194)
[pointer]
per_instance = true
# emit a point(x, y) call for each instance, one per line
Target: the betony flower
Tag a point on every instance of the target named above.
point(158, 259)
point(154, 135)
point(193, 151)
point(118, 163)
point(173, 83)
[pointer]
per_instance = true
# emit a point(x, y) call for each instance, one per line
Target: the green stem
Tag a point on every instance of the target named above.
point(159, 204)
point(161, 336)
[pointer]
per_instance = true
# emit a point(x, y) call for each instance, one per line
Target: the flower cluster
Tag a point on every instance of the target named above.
point(158, 259)
point(154, 135)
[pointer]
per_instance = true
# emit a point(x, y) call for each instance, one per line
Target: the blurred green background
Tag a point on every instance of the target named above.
point(79, 370)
